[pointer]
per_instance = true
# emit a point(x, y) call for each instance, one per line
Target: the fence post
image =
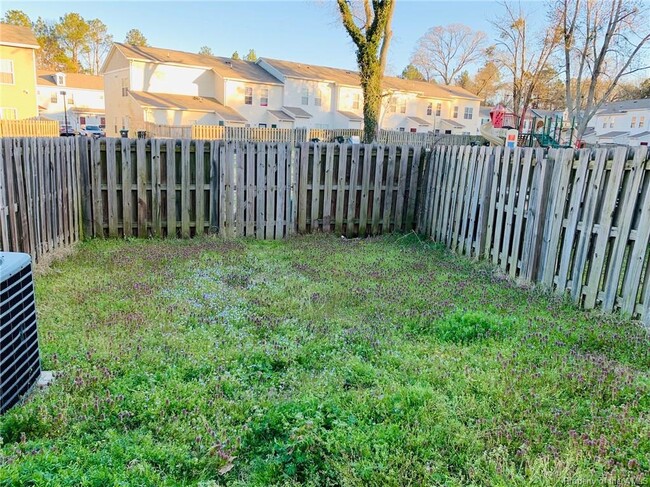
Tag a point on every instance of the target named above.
point(84, 173)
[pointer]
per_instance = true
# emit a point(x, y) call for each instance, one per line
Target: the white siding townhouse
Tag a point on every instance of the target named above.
point(146, 84)
point(621, 123)
point(81, 95)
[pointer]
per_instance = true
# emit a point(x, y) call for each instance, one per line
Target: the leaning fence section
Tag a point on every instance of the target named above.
point(575, 221)
point(39, 195)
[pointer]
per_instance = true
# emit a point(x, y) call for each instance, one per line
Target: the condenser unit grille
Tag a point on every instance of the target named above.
point(19, 355)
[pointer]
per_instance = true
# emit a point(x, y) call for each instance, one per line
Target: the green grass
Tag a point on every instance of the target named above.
point(322, 361)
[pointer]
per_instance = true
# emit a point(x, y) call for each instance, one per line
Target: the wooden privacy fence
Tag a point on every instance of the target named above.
point(39, 194)
point(266, 190)
point(575, 221)
point(29, 128)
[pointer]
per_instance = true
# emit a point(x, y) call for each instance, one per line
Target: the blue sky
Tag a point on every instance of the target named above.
point(304, 31)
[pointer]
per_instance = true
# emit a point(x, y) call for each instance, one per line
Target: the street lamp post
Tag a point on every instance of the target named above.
point(65, 112)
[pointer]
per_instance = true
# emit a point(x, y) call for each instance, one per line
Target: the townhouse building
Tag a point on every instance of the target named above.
point(75, 97)
point(17, 72)
point(153, 85)
point(621, 123)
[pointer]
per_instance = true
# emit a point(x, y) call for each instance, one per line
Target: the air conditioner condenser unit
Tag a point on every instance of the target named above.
point(20, 364)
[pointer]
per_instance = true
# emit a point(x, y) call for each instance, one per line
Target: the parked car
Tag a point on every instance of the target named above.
point(93, 131)
point(67, 130)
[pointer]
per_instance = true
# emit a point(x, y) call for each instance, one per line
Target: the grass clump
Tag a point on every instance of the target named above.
point(463, 327)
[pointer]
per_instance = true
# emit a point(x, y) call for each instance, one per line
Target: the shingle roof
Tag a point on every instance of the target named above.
point(315, 73)
point(453, 123)
point(297, 112)
point(351, 78)
point(625, 105)
point(639, 135)
point(186, 102)
point(226, 67)
point(613, 134)
point(419, 121)
point(72, 80)
point(282, 116)
point(351, 116)
point(17, 35)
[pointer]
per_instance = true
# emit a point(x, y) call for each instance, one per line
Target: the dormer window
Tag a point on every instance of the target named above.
point(60, 79)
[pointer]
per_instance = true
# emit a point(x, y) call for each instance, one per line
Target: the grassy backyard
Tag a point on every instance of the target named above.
point(322, 361)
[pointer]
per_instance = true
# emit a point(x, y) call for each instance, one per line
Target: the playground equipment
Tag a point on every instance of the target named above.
point(495, 131)
point(550, 131)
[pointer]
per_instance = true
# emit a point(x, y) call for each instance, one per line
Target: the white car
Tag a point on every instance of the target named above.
point(93, 131)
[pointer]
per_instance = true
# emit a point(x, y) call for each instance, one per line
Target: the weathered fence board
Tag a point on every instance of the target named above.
point(39, 195)
point(577, 222)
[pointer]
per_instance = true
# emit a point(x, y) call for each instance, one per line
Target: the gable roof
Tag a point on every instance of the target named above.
point(17, 35)
point(624, 106)
point(353, 117)
point(225, 67)
point(72, 80)
point(351, 78)
point(613, 134)
point(186, 102)
point(297, 112)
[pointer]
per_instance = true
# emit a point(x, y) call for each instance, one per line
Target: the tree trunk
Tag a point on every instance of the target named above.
point(371, 86)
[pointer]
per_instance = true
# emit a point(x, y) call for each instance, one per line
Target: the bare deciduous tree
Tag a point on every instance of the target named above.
point(524, 55)
point(445, 51)
point(99, 43)
point(602, 42)
point(371, 34)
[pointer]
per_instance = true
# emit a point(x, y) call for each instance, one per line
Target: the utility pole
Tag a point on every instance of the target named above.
point(65, 112)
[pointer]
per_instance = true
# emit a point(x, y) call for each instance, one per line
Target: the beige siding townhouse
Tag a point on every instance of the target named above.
point(152, 85)
point(161, 86)
point(17, 73)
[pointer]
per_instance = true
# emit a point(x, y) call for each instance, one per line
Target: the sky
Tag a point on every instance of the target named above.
point(306, 31)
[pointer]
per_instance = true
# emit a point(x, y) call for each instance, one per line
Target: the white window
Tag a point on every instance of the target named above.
point(6, 72)
point(305, 96)
point(70, 98)
point(633, 124)
point(456, 111)
point(469, 113)
point(611, 122)
point(356, 101)
point(604, 123)
point(60, 79)
point(125, 87)
point(401, 129)
point(264, 97)
point(402, 105)
point(248, 95)
point(318, 97)
point(54, 97)
point(438, 109)
point(429, 108)
point(8, 114)
point(641, 122)
point(262, 125)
